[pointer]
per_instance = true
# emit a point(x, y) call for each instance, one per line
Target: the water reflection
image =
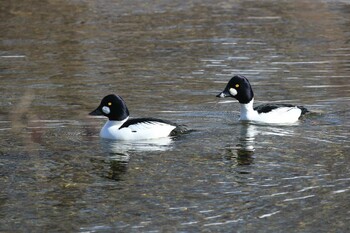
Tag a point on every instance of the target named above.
point(58, 57)
point(114, 147)
point(118, 166)
point(244, 150)
point(120, 152)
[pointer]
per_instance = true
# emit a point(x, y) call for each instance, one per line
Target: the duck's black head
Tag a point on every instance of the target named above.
point(239, 88)
point(113, 107)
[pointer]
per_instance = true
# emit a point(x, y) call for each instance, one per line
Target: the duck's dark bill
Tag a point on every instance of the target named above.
point(96, 112)
point(222, 94)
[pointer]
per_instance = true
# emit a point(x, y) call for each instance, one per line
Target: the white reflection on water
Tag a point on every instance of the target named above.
point(246, 146)
point(269, 215)
point(247, 137)
point(340, 191)
point(124, 147)
point(298, 198)
point(223, 223)
point(120, 153)
point(244, 150)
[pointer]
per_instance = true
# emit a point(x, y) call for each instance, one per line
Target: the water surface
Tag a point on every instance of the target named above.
point(168, 60)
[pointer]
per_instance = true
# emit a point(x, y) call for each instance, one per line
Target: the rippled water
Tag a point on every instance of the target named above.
point(168, 60)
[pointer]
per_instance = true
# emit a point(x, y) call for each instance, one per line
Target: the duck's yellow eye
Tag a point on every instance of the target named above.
point(237, 85)
point(109, 103)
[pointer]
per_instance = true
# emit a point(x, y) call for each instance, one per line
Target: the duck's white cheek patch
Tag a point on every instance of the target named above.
point(233, 91)
point(106, 110)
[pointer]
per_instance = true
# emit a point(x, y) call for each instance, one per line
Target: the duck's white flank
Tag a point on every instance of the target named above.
point(281, 115)
point(140, 131)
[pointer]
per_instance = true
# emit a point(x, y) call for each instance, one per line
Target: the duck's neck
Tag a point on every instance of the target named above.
point(111, 123)
point(247, 111)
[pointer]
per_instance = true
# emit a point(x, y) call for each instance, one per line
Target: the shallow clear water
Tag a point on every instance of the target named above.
point(168, 60)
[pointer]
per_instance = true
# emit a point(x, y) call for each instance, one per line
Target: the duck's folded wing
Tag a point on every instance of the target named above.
point(265, 108)
point(145, 123)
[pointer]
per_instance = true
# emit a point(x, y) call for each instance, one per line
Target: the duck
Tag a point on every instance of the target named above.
point(120, 127)
point(239, 88)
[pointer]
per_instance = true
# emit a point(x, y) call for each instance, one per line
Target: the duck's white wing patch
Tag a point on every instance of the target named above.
point(147, 125)
point(150, 126)
point(287, 111)
point(150, 129)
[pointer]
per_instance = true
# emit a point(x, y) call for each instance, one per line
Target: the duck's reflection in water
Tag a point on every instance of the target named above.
point(243, 152)
point(120, 152)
